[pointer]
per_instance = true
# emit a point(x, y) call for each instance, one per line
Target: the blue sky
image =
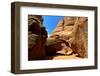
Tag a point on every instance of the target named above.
point(50, 22)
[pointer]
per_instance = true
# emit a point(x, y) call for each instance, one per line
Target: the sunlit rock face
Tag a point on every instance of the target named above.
point(73, 33)
point(79, 42)
point(37, 36)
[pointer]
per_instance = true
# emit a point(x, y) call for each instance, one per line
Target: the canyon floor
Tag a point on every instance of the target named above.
point(59, 56)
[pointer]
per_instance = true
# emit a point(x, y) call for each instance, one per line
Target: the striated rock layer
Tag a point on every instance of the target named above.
point(71, 34)
point(37, 36)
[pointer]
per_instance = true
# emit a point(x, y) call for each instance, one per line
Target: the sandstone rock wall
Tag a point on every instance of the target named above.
point(80, 37)
point(37, 36)
point(73, 30)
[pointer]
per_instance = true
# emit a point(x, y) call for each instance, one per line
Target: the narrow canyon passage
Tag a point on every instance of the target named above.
point(68, 40)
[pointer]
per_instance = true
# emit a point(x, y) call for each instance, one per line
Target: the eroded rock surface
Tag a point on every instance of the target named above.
point(37, 36)
point(73, 33)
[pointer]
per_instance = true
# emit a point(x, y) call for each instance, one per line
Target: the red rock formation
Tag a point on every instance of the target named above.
point(73, 30)
point(36, 38)
point(79, 41)
point(53, 46)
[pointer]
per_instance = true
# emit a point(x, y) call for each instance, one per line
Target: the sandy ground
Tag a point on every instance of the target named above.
point(65, 57)
point(60, 57)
